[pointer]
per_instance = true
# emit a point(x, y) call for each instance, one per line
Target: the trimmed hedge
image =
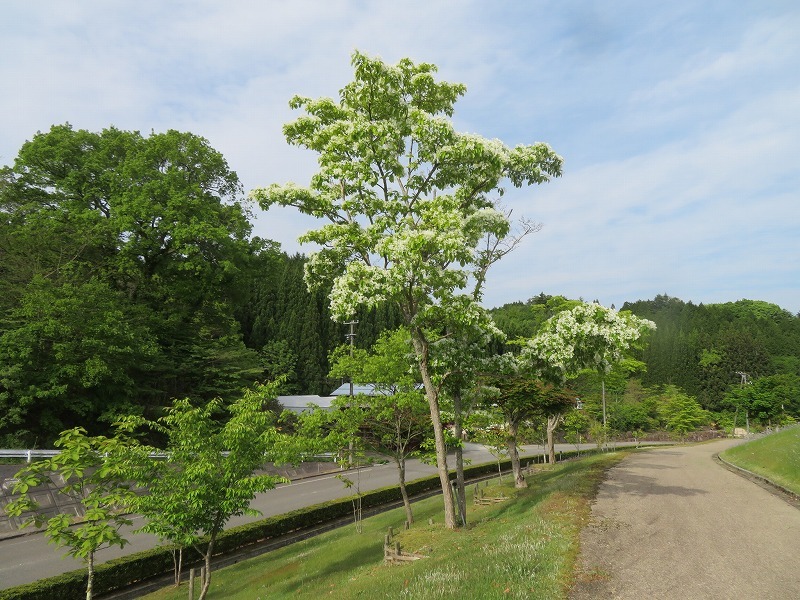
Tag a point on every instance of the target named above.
point(122, 572)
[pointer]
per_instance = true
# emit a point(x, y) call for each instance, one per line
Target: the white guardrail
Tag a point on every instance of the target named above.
point(31, 454)
point(27, 454)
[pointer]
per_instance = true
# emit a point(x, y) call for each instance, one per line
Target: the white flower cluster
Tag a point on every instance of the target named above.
point(485, 221)
point(587, 336)
point(359, 285)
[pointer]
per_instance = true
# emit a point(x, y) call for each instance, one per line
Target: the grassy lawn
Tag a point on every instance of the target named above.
point(522, 548)
point(776, 457)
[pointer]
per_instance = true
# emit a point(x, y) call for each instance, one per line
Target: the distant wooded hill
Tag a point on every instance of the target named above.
point(703, 349)
point(699, 348)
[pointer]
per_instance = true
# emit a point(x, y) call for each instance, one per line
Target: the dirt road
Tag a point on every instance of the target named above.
point(673, 523)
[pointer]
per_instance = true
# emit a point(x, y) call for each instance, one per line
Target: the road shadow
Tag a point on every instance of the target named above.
point(630, 484)
point(655, 467)
point(667, 452)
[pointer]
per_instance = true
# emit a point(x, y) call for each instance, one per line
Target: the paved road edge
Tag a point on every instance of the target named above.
point(765, 482)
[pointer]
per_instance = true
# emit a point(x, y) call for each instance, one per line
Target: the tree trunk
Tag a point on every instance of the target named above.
point(206, 583)
point(552, 424)
point(513, 453)
point(177, 565)
point(401, 472)
point(461, 488)
point(603, 383)
point(421, 347)
point(90, 577)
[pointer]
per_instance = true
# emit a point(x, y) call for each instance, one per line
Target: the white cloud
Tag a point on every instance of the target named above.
point(767, 48)
point(678, 121)
point(699, 215)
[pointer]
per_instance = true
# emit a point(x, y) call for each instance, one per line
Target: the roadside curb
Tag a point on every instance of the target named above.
point(766, 483)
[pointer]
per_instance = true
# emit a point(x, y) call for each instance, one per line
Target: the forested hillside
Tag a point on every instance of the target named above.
point(742, 354)
point(705, 349)
point(292, 329)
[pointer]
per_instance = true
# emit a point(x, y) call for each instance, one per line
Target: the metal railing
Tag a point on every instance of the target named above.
point(27, 454)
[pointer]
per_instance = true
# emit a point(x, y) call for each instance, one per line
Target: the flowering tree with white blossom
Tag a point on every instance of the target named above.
point(588, 336)
point(410, 206)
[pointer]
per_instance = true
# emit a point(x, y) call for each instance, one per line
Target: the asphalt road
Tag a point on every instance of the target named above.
point(673, 523)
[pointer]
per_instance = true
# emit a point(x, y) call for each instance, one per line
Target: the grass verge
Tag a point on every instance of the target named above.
point(775, 456)
point(524, 547)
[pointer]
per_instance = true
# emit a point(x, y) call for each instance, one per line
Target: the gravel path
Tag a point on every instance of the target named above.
point(674, 523)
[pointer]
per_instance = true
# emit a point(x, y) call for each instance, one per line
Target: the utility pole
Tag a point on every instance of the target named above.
point(351, 337)
point(603, 385)
point(743, 383)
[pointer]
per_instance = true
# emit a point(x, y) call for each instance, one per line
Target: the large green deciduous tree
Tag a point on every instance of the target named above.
point(410, 205)
point(71, 354)
point(139, 247)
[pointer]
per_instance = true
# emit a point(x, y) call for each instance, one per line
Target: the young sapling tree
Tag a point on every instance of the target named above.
point(94, 470)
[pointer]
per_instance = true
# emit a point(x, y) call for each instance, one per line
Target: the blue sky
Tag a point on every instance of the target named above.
point(679, 122)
